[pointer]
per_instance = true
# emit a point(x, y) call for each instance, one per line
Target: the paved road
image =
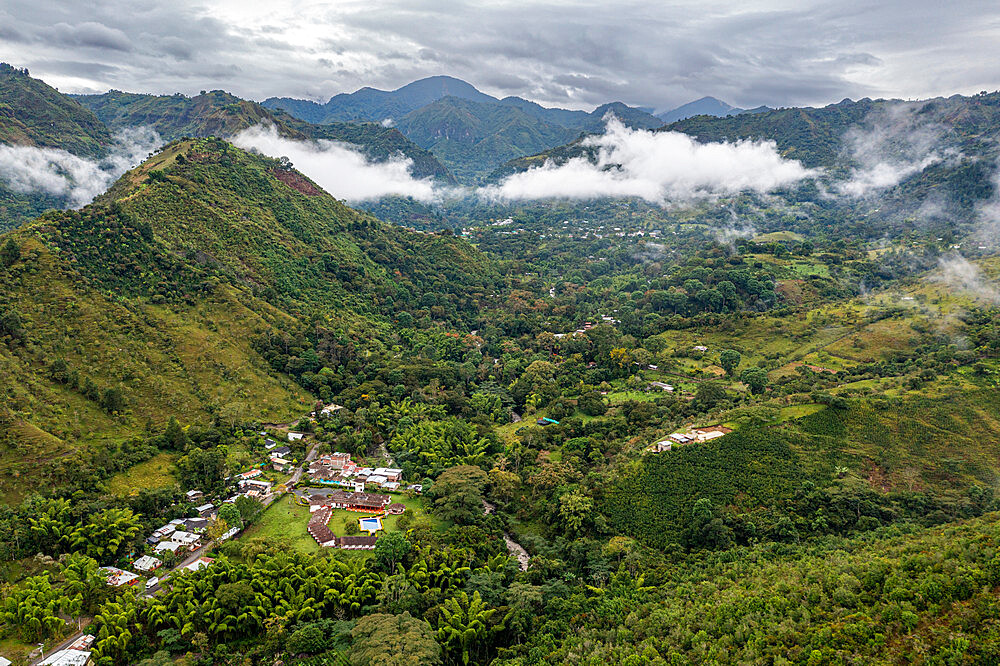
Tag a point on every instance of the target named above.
point(309, 458)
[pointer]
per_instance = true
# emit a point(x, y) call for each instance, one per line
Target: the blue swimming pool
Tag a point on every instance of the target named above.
point(370, 525)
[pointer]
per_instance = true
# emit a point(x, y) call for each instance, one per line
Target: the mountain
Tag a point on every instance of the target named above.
point(218, 113)
point(588, 122)
point(706, 106)
point(469, 131)
point(32, 113)
point(163, 290)
point(373, 104)
point(472, 138)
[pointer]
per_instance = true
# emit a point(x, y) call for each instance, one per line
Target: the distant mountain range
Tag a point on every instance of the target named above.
point(471, 132)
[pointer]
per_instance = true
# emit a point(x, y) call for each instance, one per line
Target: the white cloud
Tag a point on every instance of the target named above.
point(339, 168)
point(959, 273)
point(660, 167)
point(60, 173)
point(896, 144)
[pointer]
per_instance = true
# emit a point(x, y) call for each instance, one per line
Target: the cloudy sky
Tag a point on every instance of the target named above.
point(572, 54)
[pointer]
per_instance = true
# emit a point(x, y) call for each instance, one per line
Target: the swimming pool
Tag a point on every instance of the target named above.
point(370, 525)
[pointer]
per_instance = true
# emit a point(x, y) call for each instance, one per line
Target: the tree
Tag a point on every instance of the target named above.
point(465, 627)
point(708, 395)
point(730, 359)
point(393, 640)
point(592, 404)
point(174, 436)
point(310, 639)
point(202, 468)
point(10, 254)
point(574, 509)
point(249, 507)
point(231, 514)
point(216, 529)
point(390, 549)
point(459, 493)
point(755, 379)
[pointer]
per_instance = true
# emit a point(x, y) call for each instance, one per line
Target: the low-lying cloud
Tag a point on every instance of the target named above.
point(339, 168)
point(962, 275)
point(59, 173)
point(659, 167)
point(895, 144)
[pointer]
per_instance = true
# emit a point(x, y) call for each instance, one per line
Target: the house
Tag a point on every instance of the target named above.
point(375, 480)
point(269, 444)
point(661, 386)
point(262, 487)
point(187, 540)
point(199, 564)
point(391, 474)
point(196, 524)
point(279, 452)
point(295, 436)
point(193, 495)
point(359, 486)
point(116, 577)
point(205, 510)
point(395, 509)
point(662, 445)
point(391, 486)
point(330, 410)
point(682, 437)
point(280, 464)
point(76, 653)
point(250, 474)
point(700, 348)
point(357, 542)
point(147, 563)
point(164, 546)
point(338, 459)
point(416, 488)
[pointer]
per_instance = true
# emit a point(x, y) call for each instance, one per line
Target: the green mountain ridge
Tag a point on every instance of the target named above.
point(160, 288)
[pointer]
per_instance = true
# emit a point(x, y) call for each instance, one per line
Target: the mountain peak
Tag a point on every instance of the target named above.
point(704, 106)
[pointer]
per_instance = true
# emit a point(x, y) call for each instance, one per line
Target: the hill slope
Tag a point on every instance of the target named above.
point(33, 113)
point(161, 290)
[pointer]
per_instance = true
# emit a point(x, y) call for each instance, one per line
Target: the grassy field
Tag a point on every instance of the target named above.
point(286, 521)
point(157, 472)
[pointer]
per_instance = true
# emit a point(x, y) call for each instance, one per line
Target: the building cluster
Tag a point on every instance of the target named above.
point(337, 469)
point(279, 455)
point(76, 653)
point(321, 507)
point(693, 435)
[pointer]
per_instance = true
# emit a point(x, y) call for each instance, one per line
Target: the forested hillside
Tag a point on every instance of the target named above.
point(146, 303)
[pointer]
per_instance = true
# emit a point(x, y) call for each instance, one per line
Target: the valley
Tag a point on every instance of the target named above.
point(690, 422)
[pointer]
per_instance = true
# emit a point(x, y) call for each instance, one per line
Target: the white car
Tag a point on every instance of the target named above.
point(152, 582)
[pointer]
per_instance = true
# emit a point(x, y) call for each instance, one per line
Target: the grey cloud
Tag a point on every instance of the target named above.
point(89, 34)
point(577, 54)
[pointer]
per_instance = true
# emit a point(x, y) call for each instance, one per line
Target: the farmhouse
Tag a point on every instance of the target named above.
point(295, 436)
point(279, 464)
point(250, 474)
point(193, 495)
point(262, 487)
